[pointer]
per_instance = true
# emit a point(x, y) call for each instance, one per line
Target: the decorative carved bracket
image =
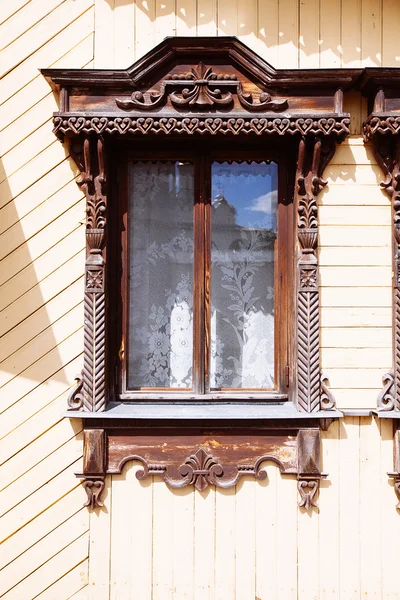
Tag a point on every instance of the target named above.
point(312, 391)
point(202, 458)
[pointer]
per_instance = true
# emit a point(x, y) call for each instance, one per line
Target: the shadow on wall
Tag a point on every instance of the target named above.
point(287, 33)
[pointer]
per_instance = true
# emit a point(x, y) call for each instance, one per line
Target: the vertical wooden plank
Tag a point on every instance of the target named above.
point(104, 34)
point(349, 502)
point(390, 31)
point(247, 22)
point(206, 17)
point(266, 535)
point(268, 31)
point(245, 540)
point(204, 544)
point(165, 19)
point(308, 568)
point(371, 33)
point(142, 549)
point(329, 515)
point(145, 14)
point(227, 17)
point(370, 529)
point(225, 508)
point(287, 538)
point(186, 15)
point(124, 33)
point(351, 33)
point(123, 535)
point(288, 51)
point(330, 26)
point(100, 547)
point(183, 542)
point(390, 522)
point(309, 34)
point(162, 540)
point(352, 105)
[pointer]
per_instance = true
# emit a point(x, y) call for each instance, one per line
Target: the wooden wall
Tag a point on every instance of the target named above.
point(151, 543)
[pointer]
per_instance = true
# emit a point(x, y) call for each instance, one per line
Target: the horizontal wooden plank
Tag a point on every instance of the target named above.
point(51, 571)
point(42, 525)
point(44, 550)
point(55, 387)
point(356, 337)
point(7, 9)
point(350, 175)
point(41, 33)
point(24, 19)
point(41, 370)
point(39, 218)
point(41, 320)
point(355, 215)
point(44, 291)
point(352, 297)
point(360, 195)
point(352, 153)
point(38, 88)
point(356, 358)
point(41, 268)
point(355, 276)
point(34, 453)
point(40, 243)
point(355, 256)
point(42, 344)
point(355, 235)
point(355, 378)
point(356, 398)
point(47, 55)
point(356, 317)
point(74, 582)
point(40, 474)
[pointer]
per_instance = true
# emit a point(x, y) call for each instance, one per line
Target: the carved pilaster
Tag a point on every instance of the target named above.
point(94, 466)
point(313, 156)
point(92, 181)
point(387, 153)
point(308, 466)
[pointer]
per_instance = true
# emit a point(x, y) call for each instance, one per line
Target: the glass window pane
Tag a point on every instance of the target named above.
point(244, 228)
point(160, 334)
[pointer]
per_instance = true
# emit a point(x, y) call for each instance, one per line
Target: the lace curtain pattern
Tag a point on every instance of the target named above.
point(244, 215)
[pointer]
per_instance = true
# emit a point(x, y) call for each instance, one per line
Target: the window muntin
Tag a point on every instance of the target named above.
point(271, 171)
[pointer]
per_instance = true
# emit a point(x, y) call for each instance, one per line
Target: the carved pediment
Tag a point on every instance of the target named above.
point(201, 85)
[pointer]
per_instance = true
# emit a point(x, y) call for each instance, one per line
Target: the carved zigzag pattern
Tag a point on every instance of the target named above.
point(308, 351)
point(397, 344)
point(94, 353)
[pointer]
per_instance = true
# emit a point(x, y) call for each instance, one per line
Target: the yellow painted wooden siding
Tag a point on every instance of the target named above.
point(239, 544)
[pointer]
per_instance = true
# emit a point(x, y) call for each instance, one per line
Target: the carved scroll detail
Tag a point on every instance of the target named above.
point(312, 394)
point(92, 181)
point(75, 398)
point(387, 152)
point(67, 125)
point(200, 88)
point(93, 488)
point(308, 489)
point(327, 398)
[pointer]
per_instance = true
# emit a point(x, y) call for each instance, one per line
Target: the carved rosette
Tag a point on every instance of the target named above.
point(90, 394)
point(387, 152)
point(312, 393)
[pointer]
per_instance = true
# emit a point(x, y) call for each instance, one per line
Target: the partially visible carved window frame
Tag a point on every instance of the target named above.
point(96, 106)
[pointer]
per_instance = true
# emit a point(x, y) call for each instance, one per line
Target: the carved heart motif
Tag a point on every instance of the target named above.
point(189, 125)
point(304, 125)
point(235, 125)
point(393, 124)
point(281, 125)
point(122, 125)
point(76, 123)
point(327, 125)
point(167, 125)
point(258, 125)
point(99, 124)
point(213, 125)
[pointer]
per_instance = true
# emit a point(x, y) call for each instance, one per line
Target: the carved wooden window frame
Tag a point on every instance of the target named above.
point(187, 88)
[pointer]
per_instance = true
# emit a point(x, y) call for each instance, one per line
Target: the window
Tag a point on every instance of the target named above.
point(206, 274)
